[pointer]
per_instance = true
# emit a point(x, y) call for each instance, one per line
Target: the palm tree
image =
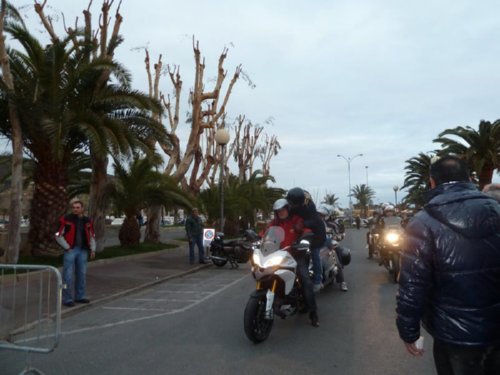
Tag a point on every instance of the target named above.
point(139, 186)
point(481, 148)
point(417, 177)
point(63, 113)
point(242, 201)
point(364, 195)
point(330, 199)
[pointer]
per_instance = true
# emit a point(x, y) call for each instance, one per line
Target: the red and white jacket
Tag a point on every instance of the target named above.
point(66, 234)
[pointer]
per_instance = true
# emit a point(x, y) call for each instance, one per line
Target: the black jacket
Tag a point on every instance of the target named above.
point(313, 221)
point(450, 269)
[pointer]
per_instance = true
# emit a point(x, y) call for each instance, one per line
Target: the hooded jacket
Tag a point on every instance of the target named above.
point(450, 269)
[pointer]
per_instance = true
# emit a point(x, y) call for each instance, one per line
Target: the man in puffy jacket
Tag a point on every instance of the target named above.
point(450, 274)
point(76, 236)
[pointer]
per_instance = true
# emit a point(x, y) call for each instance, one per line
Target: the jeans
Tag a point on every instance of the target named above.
point(74, 264)
point(196, 240)
point(316, 261)
point(305, 282)
point(464, 360)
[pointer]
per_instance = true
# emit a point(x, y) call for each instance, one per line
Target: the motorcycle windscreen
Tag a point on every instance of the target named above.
point(393, 222)
point(272, 239)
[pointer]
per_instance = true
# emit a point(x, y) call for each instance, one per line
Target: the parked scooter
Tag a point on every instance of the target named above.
point(389, 244)
point(234, 251)
point(278, 291)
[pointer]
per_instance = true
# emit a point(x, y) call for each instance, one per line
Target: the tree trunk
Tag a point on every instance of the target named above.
point(16, 189)
point(130, 232)
point(14, 238)
point(50, 201)
point(485, 176)
point(152, 233)
point(97, 199)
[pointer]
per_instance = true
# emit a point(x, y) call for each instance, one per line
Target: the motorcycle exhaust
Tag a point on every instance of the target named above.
point(217, 258)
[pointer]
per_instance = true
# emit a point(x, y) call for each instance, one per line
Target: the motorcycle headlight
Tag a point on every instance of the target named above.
point(256, 259)
point(274, 261)
point(392, 237)
point(271, 262)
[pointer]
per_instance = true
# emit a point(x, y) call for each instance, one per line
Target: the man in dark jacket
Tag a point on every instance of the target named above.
point(302, 205)
point(194, 233)
point(450, 274)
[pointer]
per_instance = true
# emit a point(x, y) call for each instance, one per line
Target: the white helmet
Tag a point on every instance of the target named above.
point(388, 208)
point(279, 204)
point(323, 210)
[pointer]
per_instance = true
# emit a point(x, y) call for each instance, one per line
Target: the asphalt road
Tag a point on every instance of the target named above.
point(194, 325)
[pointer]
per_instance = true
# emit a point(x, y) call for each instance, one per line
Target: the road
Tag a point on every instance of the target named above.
point(194, 325)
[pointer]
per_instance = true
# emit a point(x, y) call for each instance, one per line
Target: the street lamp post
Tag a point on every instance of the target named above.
point(395, 188)
point(222, 139)
point(366, 170)
point(348, 160)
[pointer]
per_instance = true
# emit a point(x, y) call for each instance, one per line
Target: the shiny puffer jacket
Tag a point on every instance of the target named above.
point(450, 269)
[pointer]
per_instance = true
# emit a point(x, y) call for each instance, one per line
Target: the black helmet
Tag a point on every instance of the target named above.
point(296, 196)
point(345, 256)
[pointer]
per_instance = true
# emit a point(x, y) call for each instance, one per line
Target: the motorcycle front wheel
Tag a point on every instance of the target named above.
point(257, 327)
point(395, 271)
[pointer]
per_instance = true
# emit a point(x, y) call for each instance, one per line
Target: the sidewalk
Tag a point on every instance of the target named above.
point(111, 278)
point(106, 279)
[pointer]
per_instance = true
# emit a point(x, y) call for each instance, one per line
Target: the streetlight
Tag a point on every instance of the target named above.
point(366, 170)
point(222, 139)
point(348, 160)
point(395, 188)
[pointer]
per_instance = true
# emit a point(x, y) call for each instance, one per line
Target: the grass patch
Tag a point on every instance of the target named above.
point(108, 253)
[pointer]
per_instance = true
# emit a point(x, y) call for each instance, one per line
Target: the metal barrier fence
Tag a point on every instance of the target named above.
point(30, 309)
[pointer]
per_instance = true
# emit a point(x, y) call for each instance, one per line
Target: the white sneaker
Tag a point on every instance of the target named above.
point(316, 288)
point(343, 286)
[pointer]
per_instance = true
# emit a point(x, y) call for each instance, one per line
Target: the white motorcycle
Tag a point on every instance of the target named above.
point(278, 291)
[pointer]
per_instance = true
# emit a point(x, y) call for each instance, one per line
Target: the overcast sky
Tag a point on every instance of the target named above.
point(381, 78)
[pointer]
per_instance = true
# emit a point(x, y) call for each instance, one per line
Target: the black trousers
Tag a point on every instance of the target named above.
point(306, 282)
point(464, 360)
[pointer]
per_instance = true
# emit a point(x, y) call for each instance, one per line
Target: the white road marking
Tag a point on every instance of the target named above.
point(165, 313)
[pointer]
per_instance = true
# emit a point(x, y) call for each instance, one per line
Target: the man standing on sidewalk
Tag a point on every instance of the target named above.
point(194, 232)
point(76, 236)
point(450, 274)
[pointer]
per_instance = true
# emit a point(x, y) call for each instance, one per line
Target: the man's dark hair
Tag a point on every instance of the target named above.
point(449, 168)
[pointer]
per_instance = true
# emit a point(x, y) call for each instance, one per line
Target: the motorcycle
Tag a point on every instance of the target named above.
point(333, 258)
point(336, 229)
point(390, 244)
point(278, 291)
point(234, 251)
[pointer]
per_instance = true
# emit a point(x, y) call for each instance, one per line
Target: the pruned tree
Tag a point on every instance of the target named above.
point(116, 117)
point(192, 166)
point(266, 152)
point(245, 146)
point(101, 47)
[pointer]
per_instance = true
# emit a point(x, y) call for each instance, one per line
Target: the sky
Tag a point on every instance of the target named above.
point(340, 77)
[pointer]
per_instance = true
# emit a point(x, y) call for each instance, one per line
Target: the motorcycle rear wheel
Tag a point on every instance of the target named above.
point(257, 328)
point(218, 262)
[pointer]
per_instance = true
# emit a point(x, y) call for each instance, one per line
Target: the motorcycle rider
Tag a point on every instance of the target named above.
point(302, 205)
point(293, 225)
point(388, 219)
point(324, 214)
